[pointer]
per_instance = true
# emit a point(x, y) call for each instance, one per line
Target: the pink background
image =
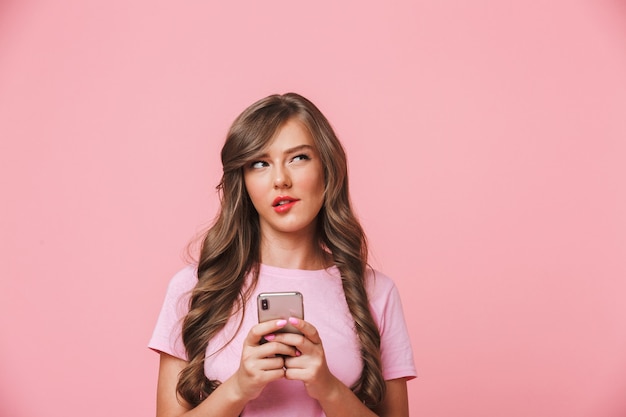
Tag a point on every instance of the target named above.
point(486, 142)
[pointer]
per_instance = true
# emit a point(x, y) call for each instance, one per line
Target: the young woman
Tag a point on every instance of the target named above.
point(285, 224)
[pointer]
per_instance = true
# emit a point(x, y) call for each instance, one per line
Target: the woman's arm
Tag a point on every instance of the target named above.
point(224, 401)
point(396, 402)
point(343, 402)
point(337, 400)
point(259, 365)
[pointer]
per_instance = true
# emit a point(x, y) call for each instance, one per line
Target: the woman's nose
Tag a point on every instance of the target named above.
point(281, 179)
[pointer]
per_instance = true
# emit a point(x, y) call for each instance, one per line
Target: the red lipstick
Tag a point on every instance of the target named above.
point(283, 203)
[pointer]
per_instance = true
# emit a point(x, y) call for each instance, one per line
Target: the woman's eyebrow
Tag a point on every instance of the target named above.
point(298, 149)
point(295, 149)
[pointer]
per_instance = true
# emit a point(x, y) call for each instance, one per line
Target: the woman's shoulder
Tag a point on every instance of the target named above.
point(378, 280)
point(380, 287)
point(184, 280)
point(385, 301)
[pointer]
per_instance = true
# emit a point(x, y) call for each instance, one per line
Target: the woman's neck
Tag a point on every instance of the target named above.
point(294, 253)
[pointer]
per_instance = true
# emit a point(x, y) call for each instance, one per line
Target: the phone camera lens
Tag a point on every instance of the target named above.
point(264, 304)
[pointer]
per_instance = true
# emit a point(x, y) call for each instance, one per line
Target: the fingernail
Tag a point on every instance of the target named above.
point(298, 353)
point(269, 337)
point(281, 323)
point(293, 320)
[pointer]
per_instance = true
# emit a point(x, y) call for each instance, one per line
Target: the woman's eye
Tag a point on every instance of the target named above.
point(258, 164)
point(301, 157)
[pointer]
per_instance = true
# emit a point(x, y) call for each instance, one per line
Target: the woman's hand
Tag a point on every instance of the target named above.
point(260, 362)
point(308, 363)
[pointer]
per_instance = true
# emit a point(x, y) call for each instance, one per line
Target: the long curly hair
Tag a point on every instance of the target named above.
point(230, 250)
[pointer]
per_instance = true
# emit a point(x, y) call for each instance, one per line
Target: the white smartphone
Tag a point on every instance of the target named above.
point(281, 305)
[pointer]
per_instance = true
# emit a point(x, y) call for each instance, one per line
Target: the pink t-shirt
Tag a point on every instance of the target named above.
point(324, 306)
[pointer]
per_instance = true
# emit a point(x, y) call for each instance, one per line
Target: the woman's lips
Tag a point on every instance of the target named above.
point(283, 203)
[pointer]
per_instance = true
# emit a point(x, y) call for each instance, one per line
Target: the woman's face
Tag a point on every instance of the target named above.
point(286, 182)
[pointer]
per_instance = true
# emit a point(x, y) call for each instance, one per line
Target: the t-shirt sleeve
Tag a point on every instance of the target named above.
point(166, 336)
point(395, 345)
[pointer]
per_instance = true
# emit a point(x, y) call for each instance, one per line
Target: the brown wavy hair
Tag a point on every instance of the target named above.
point(230, 249)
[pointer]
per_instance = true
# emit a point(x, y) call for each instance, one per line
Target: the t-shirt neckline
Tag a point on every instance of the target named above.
point(289, 272)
